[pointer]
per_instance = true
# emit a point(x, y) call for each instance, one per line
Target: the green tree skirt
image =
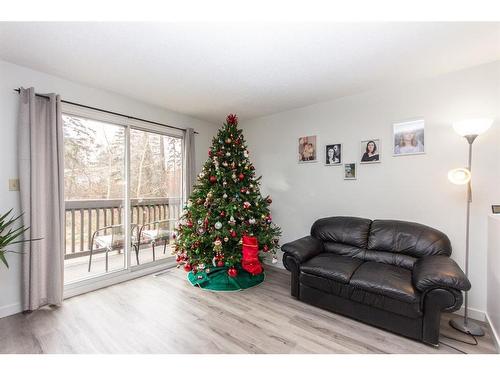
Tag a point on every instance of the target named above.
point(218, 280)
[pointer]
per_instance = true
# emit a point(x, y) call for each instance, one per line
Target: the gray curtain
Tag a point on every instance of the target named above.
point(189, 159)
point(42, 198)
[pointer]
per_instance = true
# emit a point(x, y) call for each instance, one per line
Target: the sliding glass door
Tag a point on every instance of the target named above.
point(123, 184)
point(155, 193)
point(94, 189)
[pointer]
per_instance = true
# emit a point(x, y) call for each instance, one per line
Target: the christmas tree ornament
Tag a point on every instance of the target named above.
point(213, 179)
point(232, 272)
point(246, 205)
point(269, 200)
point(241, 176)
point(232, 119)
point(218, 225)
point(224, 196)
point(251, 221)
point(222, 214)
point(232, 221)
point(233, 233)
point(228, 140)
point(265, 248)
point(187, 267)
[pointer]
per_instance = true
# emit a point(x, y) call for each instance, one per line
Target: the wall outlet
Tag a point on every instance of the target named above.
point(14, 184)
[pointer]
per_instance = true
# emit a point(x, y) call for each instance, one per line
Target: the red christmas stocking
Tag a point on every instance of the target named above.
point(250, 260)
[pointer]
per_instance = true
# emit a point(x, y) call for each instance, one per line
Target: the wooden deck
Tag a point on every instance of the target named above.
point(165, 314)
point(77, 268)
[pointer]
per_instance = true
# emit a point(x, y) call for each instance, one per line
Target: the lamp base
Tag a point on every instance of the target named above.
point(470, 328)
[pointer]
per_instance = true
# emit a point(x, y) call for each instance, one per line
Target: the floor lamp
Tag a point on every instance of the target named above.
point(469, 129)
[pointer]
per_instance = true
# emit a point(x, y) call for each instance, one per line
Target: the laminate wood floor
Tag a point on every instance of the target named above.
point(164, 314)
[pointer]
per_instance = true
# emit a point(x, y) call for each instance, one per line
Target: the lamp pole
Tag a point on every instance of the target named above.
point(466, 326)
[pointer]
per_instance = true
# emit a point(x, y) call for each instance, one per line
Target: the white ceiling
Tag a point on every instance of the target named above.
point(207, 70)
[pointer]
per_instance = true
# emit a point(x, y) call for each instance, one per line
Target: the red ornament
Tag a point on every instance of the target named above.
point(232, 119)
point(269, 200)
point(213, 179)
point(233, 233)
point(189, 224)
point(243, 190)
point(222, 214)
point(187, 267)
point(232, 272)
point(220, 263)
point(241, 176)
point(209, 152)
point(265, 248)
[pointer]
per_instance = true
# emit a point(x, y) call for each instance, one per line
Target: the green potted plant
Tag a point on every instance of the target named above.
point(10, 235)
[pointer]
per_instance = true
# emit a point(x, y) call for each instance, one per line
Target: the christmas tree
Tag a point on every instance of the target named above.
point(226, 219)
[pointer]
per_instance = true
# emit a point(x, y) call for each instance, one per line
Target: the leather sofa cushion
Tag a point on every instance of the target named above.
point(387, 280)
point(343, 249)
point(407, 238)
point(347, 291)
point(347, 230)
point(331, 266)
point(396, 259)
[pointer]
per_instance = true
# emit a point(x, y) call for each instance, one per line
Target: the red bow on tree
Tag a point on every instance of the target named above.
point(232, 119)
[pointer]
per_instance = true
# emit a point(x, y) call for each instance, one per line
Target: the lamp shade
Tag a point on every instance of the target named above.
point(459, 176)
point(472, 126)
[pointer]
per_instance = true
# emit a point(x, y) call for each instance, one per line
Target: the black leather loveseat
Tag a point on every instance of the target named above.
point(392, 274)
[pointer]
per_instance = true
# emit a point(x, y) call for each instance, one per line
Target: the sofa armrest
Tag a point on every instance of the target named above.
point(438, 271)
point(303, 249)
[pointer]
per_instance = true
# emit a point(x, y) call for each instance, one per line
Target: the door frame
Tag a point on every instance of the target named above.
point(129, 272)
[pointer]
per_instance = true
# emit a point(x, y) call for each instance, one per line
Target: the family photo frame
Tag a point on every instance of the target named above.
point(307, 149)
point(350, 171)
point(370, 151)
point(409, 137)
point(333, 154)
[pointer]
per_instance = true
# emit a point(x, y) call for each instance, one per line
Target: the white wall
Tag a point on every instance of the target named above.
point(411, 188)
point(493, 275)
point(13, 76)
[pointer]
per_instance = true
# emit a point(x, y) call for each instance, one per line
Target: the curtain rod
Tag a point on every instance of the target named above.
point(18, 90)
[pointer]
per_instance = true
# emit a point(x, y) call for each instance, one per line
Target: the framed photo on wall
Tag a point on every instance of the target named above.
point(350, 171)
point(409, 137)
point(307, 149)
point(333, 154)
point(370, 151)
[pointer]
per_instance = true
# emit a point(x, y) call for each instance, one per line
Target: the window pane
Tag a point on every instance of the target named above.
point(94, 188)
point(155, 190)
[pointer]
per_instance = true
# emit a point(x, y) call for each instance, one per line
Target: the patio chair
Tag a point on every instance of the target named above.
point(155, 232)
point(113, 241)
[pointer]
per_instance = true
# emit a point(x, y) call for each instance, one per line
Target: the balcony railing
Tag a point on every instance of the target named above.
point(83, 217)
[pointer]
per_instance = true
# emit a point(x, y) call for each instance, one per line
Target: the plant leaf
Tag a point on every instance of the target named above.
point(2, 258)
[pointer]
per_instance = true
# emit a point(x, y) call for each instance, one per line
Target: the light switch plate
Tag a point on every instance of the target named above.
point(14, 184)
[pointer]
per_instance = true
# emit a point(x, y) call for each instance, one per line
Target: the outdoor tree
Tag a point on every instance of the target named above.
point(226, 220)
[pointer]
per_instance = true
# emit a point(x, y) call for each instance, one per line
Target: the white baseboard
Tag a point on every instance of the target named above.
point(10, 309)
point(496, 338)
point(473, 313)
